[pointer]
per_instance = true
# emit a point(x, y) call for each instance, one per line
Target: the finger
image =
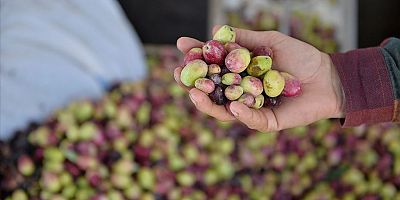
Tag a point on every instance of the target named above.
point(177, 77)
point(205, 105)
point(262, 120)
point(252, 39)
point(184, 44)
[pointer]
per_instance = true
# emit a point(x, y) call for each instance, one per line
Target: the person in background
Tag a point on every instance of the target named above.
point(360, 87)
point(53, 52)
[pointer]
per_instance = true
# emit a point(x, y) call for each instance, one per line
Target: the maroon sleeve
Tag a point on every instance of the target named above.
point(367, 87)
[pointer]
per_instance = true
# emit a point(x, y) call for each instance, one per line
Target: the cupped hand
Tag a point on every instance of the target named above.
point(322, 93)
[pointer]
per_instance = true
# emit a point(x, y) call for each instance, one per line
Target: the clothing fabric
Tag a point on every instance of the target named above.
point(371, 81)
point(55, 52)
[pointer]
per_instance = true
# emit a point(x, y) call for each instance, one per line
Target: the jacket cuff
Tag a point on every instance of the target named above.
point(367, 87)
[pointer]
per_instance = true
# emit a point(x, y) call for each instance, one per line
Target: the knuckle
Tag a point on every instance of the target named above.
point(265, 130)
point(275, 33)
point(200, 106)
point(226, 120)
point(268, 129)
point(211, 110)
point(254, 124)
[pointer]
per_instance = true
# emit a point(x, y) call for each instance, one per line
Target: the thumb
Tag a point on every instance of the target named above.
point(252, 39)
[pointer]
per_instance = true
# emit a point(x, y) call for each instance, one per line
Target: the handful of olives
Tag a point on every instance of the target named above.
point(227, 72)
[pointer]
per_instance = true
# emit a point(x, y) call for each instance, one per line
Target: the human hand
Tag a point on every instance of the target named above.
point(321, 97)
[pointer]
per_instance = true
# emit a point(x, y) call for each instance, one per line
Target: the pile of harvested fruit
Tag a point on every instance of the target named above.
point(229, 72)
point(148, 141)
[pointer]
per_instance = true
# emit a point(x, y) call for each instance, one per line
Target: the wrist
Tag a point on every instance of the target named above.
point(337, 88)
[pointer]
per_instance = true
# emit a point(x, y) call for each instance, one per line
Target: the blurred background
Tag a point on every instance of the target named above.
point(336, 22)
point(143, 139)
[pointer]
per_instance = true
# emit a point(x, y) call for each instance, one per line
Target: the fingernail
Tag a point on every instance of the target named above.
point(175, 76)
point(191, 98)
point(228, 108)
point(233, 109)
point(236, 114)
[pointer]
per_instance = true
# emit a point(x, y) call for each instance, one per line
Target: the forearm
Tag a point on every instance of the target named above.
point(370, 80)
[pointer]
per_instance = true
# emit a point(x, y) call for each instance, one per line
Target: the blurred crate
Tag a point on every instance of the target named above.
point(330, 25)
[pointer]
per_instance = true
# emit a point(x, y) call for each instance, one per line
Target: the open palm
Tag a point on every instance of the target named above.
point(321, 89)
